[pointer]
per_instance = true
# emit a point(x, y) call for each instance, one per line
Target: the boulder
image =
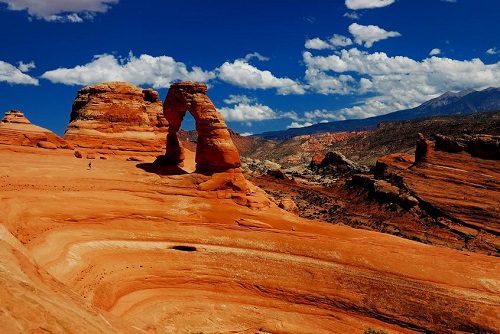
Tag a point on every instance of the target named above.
point(289, 205)
point(277, 174)
point(337, 163)
point(46, 145)
point(272, 165)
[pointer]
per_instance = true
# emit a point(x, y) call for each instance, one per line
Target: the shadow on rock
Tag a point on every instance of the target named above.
point(161, 169)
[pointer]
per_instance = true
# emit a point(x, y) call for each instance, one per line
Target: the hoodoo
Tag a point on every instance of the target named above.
point(215, 151)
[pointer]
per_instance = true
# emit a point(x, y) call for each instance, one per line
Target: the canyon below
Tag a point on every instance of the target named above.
point(101, 233)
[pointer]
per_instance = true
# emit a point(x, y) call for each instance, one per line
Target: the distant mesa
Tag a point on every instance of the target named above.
point(117, 118)
point(16, 129)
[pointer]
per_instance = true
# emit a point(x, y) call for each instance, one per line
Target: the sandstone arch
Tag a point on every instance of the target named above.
point(215, 151)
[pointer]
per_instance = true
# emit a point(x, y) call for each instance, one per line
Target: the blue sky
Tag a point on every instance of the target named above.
point(269, 64)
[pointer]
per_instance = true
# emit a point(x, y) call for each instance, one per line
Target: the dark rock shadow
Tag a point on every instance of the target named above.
point(161, 169)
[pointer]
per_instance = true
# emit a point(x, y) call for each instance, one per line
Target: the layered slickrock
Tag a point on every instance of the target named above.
point(33, 301)
point(155, 250)
point(16, 129)
point(457, 181)
point(117, 118)
point(443, 195)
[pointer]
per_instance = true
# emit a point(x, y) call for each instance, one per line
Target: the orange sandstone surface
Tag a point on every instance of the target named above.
point(126, 247)
point(16, 129)
point(117, 118)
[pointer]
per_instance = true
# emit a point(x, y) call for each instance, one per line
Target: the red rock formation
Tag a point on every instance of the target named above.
point(16, 129)
point(117, 118)
point(215, 151)
point(161, 255)
point(33, 301)
point(289, 205)
point(316, 160)
point(423, 150)
point(459, 190)
point(15, 116)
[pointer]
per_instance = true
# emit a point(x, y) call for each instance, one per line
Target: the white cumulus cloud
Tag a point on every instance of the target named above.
point(13, 75)
point(158, 72)
point(246, 134)
point(340, 41)
point(352, 15)
point(26, 67)
point(317, 44)
point(241, 108)
point(256, 55)
point(296, 125)
point(434, 52)
point(323, 83)
point(334, 42)
point(364, 4)
point(493, 51)
point(235, 99)
point(367, 35)
point(61, 10)
point(243, 112)
point(396, 82)
point(242, 74)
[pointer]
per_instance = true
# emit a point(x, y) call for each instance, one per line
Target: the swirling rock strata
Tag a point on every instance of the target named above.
point(117, 118)
point(155, 251)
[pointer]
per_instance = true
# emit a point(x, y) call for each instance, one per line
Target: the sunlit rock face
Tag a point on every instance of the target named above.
point(215, 151)
point(117, 118)
point(87, 251)
point(16, 129)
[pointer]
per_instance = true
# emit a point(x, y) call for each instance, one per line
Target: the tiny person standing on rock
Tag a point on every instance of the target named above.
point(90, 164)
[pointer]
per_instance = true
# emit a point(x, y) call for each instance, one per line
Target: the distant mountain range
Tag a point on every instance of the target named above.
point(461, 103)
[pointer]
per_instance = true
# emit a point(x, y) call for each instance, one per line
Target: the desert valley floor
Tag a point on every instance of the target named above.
point(122, 247)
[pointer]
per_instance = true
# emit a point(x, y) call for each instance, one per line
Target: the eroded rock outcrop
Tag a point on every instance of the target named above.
point(117, 118)
point(481, 146)
point(336, 163)
point(16, 129)
point(458, 189)
point(217, 158)
point(215, 151)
